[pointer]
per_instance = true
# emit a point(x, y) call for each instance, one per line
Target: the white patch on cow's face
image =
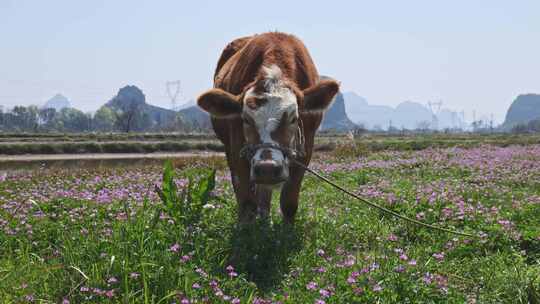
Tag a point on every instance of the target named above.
point(279, 99)
point(269, 166)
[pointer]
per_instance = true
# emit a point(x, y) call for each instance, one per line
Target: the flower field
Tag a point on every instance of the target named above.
point(112, 236)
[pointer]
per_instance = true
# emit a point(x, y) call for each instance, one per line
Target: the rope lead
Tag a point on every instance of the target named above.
point(379, 207)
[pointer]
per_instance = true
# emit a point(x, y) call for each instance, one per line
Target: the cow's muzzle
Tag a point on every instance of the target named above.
point(269, 163)
point(269, 172)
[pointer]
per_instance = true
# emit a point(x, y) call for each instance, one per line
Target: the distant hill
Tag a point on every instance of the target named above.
point(131, 96)
point(525, 108)
point(188, 104)
point(407, 114)
point(196, 117)
point(370, 116)
point(336, 117)
point(57, 102)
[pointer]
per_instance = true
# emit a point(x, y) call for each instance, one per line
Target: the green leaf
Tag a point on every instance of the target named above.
point(168, 185)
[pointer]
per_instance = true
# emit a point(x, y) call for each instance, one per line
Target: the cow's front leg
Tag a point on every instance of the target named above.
point(290, 193)
point(245, 196)
point(264, 200)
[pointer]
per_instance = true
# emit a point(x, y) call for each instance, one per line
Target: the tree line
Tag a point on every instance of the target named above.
point(131, 118)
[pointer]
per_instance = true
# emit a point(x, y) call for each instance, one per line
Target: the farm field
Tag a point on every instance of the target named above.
point(105, 235)
point(78, 143)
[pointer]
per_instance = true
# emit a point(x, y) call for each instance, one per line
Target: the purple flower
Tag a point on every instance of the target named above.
point(377, 288)
point(134, 275)
point(324, 293)
point(412, 262)
point(201, 272)
point(392, 237)
point(428, 277)
point(65, 301)
point(112, 280)
point(399, 269)
point(439, 256)
point(373, 266)
point(311, 286)
point(319, 301)
point(235, 301)
point(109, 293)
point(196, 286)
point(175, 247)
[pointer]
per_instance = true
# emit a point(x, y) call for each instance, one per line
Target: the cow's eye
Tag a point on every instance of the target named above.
point(295, 119)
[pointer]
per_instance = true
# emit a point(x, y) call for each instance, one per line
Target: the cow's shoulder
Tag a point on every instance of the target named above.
point(231, 49)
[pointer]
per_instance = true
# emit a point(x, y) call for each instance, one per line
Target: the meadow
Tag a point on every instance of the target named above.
point(168, 233)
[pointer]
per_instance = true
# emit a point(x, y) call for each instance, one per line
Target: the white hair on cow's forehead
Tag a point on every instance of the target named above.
point(273, 74)
point(279, 99)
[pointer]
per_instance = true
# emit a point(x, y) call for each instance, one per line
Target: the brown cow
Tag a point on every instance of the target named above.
point(267, 103)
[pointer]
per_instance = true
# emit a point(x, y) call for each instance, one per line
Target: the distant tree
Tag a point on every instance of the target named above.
point(423, 126)
point(393, 130)
point(534, 125)
point(25, 118)
point(46, 118)
point(125, 116)
point(359, 129)
point(519, 129)
point(104, 119)
point(73, 120)
point(129, 109)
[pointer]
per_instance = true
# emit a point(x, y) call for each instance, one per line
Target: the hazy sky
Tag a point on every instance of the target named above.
point(469, 54)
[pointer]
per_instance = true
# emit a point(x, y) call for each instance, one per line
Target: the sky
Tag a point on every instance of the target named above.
point(472, 55)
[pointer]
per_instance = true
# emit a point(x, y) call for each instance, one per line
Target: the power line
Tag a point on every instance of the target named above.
point(435, 108)
point(173, 90)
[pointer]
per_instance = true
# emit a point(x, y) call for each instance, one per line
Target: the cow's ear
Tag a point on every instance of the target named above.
point(319, 97)
point(220, 104)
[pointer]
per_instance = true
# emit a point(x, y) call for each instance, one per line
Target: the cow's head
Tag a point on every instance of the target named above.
point(270, 109)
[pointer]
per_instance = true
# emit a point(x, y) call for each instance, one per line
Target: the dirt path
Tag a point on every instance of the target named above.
point(104, 156)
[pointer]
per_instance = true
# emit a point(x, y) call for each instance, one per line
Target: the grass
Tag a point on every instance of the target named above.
point(105, 235)
point(69, 143)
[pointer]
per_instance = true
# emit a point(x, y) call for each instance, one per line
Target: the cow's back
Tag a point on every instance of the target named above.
point(243, 58)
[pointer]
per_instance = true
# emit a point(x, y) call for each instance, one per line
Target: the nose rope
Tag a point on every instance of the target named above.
point(249, 150)
point(381, 208)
